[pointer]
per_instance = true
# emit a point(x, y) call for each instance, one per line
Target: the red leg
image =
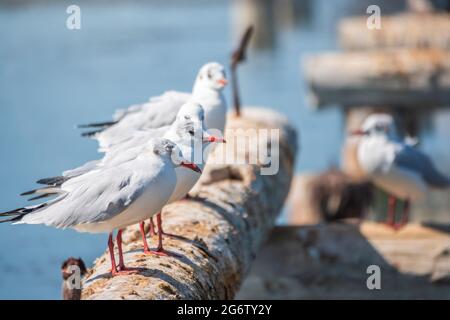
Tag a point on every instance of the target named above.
point(111, 254)
point(160, 249)
point(160, 232)
point(405, 214)
point(152, 228)
point(122, 269)
point(160, 228)
point(144, 238)
point(392, 204)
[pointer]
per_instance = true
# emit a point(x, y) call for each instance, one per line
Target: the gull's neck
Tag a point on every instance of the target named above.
point(200, 92)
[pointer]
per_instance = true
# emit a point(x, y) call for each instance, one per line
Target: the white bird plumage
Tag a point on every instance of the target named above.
point(113, 196)
point(161, 111)
point(395, 166)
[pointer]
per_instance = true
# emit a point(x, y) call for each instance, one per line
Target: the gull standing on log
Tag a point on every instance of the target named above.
point(111, 197)
point(187, 132)
point(394, 166)
point(162, 110)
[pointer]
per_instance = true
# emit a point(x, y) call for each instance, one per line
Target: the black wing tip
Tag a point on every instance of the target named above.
point(91, 134)
point(45, 195)
point(23, 211)
point(53, 181)
point(13, 219)
point(97, 124)
point(28, 193)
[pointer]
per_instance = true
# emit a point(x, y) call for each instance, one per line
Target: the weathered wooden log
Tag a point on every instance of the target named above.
point(400, 78)
point(403, 30)
point(330, 261)
point(329, 196)
point(218, 231)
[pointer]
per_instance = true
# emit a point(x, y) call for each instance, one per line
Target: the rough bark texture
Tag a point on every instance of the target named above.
point(403, 30)
point(400, 78)
point(329, 261)
point(220, 229)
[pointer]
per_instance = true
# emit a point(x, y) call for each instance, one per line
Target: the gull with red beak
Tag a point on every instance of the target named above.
point(187, 132)
point(395, 166)
point(111, 197)
point(162, 110)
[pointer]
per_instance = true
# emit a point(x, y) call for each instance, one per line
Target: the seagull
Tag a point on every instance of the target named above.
point(111, 197)
point(187, 132)
point(395, 166)
point(161, 111)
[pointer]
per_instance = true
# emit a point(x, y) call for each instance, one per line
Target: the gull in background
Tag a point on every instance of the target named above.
point(395, 166)
point(111, 197)
point(162, 110)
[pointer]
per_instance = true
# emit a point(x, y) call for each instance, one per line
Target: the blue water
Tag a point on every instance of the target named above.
point(52, 78)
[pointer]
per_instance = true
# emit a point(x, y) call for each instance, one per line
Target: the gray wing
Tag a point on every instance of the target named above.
point(159, 112)
point(91, 165)
point(95, 196)
point(415, 160)
point(137, 138)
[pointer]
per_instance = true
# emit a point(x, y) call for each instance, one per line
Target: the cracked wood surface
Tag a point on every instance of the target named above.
point(219, 229)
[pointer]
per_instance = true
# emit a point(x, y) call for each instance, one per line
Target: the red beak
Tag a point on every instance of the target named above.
point(357, 132)
point(191, 166)
point(223, 82)
point(215, 139)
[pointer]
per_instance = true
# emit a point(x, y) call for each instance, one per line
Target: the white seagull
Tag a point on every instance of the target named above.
point(161, 111)
point(187, 132)
point(395, 166)
point(111, 196)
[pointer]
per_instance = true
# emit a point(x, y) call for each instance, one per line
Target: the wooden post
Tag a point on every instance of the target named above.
point(404, 30)
point(330, 261)
point(220, 229)
point(406, 78)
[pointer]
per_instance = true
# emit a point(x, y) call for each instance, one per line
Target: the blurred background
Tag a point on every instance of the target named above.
point(52, 78)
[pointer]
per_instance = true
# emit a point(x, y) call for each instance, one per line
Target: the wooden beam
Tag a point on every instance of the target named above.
point(219, 230)
point(395, 78)
point(402, 30)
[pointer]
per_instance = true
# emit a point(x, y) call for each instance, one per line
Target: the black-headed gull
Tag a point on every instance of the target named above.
point(395, 166)
point(161, 111)
point(187, 132)
point(111, 197)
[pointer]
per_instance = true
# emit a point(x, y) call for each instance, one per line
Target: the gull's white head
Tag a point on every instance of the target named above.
point(189, 124)
point(211, 76)
point(378, 124)
point(171, 154)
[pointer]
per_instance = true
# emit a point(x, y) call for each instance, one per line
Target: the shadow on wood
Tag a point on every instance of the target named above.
point(330, 262)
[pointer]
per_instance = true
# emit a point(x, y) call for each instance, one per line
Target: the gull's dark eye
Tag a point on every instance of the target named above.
point(209, 74)
point(191, 132)
point(187, 117)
